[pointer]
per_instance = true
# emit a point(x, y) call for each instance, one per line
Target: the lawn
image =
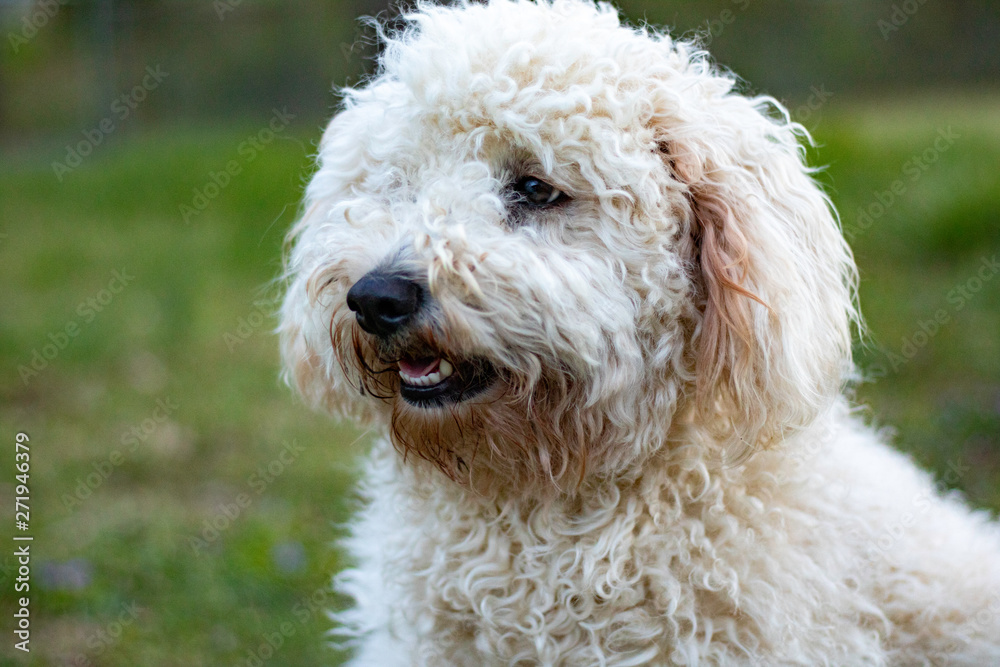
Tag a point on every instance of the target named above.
point(183, 502)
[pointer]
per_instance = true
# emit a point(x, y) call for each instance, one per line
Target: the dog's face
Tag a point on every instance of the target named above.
point(539, 243)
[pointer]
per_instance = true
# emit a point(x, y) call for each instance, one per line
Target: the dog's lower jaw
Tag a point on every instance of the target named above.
point(501, 447)
point(784, 560)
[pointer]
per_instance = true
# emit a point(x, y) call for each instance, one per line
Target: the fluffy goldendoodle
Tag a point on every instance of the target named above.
point(601, 315)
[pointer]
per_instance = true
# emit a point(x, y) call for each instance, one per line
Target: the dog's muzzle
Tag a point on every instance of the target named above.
point(387, 305)
point(384, 303)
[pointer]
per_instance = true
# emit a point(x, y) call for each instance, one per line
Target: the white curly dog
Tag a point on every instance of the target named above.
point(601, 315)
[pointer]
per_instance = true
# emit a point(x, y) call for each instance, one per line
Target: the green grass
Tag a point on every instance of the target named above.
point(164, 337)
point(187, 329)
point(941, 391)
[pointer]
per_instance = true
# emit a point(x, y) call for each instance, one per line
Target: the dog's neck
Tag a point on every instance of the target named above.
point(685, 453)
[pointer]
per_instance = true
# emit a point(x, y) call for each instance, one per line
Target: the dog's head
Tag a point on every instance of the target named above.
point(541, 244)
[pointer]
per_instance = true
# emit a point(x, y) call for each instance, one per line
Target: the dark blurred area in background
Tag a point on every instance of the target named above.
point(63, 64)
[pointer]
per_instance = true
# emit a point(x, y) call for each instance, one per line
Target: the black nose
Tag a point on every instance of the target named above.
point(384, 303)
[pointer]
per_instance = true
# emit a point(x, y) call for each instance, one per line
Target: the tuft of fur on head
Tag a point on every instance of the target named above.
point(695, 282)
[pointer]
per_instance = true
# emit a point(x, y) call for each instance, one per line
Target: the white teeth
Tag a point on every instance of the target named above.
point(423, 380)
point(445, 370)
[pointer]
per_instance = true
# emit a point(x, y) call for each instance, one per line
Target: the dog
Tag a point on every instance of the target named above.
point(600, 314)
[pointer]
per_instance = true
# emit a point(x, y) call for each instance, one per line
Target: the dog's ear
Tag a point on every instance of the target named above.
point(776, 279)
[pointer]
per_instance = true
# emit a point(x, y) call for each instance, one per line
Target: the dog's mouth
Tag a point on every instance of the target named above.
point(427, 382)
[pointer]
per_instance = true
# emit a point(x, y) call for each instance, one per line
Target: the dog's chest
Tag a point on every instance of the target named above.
point(534, 581)
point(631, 573)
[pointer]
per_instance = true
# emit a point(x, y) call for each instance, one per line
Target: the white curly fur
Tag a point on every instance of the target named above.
point(665, 471)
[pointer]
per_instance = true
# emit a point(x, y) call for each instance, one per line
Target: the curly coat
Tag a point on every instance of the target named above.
point(664, 470)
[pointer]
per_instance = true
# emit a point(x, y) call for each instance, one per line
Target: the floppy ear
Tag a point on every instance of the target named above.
point(776, 279)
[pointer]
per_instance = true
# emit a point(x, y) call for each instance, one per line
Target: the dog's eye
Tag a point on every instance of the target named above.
point(537, 192)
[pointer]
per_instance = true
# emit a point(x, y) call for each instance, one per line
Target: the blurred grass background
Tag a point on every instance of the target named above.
point(200, 534)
